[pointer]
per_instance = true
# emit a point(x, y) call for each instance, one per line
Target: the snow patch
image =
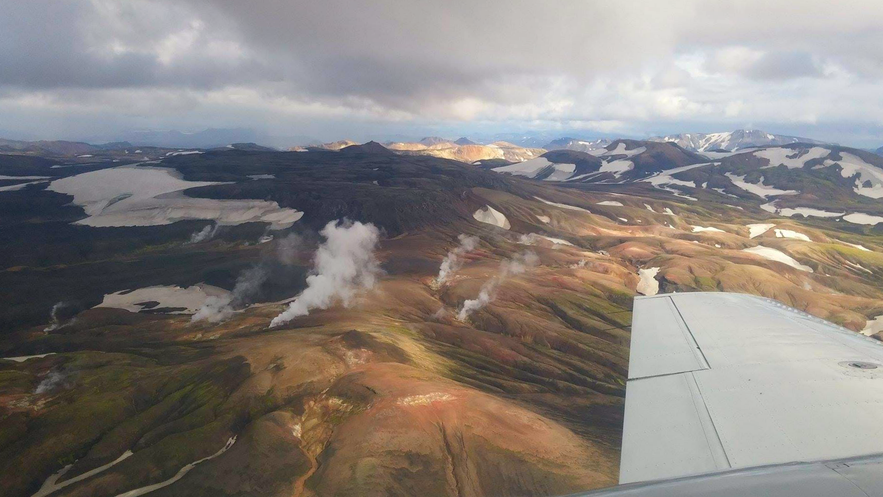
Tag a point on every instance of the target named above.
point(859, 267)
point(557, 241)
point(533, 238)
point(150, 196)
point(562, 172)
point(758, 189)
point(723, 192)
point(778, 256)
point(621, 150)
point(860, 247)
point(533, 167)
point(779, 156)
point(4, 177)
point(563, 206)
point(24, 358)
point(701, 229)
point(528, 168)
point(862, 218)
point(190, 299)
point(617, 167)
point(648, 285)
point(852, 165)
point(492, 216)
point(612, 203)
point(792, 234)
point(20, 186)
point(873, 326)
point(664, 179)
point(755, 230)
point(584, 176)
point(803, 211)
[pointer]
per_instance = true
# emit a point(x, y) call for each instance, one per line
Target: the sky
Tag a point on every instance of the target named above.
point(333, 69)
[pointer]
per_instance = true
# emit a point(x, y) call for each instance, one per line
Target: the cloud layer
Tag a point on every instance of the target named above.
point(335, 67)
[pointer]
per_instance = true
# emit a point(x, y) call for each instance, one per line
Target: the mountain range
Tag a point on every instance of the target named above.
point(213, 138)
point(694, 142)
point(57, 147)
point(730, 141)
point(781, 174)
point(466, 150)
point(577, 144)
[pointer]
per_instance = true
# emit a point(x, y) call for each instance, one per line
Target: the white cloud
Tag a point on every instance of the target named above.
point(604, 66)
point(733, 60)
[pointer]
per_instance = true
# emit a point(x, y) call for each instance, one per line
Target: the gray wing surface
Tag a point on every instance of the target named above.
point(721, 382)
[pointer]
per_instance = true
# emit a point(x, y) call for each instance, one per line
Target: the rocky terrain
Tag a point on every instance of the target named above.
point(447, 328)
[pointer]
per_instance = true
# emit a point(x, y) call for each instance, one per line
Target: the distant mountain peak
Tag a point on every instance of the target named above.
point(248, 147)
point(371, 147)
point(433, 140)
point(504, 144)
point(337, 145)
point(577, 144)
point(731, 141)
point(465, 141)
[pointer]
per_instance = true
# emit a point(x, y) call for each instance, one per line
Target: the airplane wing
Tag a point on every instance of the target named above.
point(720, 382)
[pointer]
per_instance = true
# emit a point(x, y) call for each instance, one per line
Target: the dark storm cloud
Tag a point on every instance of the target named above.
point(46, 44)
point(371, 49)
point(295, 64)
point(789, 65)
point(755, 65)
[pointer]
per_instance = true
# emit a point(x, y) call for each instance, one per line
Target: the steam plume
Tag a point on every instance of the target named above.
point(204, 234)
point(53, 317)
point(52, 380)
point(488, 292)
point(529, 239)
point(454, 260)
point(288, 247)
point(217, 309)
point(248, 284)
point(54, 321)
point(343, 265)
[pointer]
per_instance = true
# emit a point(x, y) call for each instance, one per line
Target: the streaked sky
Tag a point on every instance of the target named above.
point(330, 69)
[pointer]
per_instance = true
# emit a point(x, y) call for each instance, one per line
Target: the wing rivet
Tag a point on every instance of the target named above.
point(861, 365)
